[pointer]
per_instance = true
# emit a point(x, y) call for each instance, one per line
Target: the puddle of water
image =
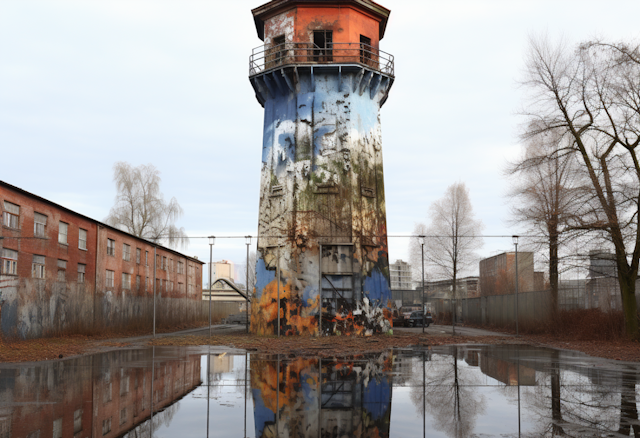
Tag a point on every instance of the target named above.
point(463, 391)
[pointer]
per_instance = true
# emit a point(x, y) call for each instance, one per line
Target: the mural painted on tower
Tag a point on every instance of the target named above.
point(322, 265)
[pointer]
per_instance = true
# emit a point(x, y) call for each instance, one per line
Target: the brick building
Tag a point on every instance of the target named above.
point(498, 274)
point(64, 272)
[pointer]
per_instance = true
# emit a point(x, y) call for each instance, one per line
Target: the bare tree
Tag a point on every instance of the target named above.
point(545, 187)
point(592, 95)
point(415, 255)
point(242, 272)
point(140, 208)
point(453, 235)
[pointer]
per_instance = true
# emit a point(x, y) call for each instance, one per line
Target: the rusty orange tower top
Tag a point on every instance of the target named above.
point(348, 19)
point(305, 32)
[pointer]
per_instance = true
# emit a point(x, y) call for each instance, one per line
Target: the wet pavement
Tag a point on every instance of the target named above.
point(448, 391)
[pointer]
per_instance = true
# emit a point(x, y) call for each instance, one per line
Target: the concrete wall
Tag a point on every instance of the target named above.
point(534, 308)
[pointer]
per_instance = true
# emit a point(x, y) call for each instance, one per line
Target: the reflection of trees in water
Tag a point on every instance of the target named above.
point(451, 397)
point(159, 418)
point(566, 404)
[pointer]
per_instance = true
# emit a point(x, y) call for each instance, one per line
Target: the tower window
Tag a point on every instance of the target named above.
point(278, 50)
point(365, 50)
point(323, 46)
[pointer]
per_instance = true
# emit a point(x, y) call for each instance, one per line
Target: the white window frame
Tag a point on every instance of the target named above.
point(9, 264)
point(39, 224)
point(111, 247)
point(63, 233)
point(82, 239)
point(62, 268)
point(126, 252)
point(109, 278)
point(82, 269)
point(126, 281)
point(138, 255)
point(11, 215)
point(38, 269)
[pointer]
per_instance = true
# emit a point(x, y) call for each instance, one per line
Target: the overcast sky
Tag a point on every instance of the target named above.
point(84, 84)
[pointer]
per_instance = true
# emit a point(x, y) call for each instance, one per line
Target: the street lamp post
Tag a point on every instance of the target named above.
point(248, 241)
point(212, 241)
point(424, 311)
point(515, 242)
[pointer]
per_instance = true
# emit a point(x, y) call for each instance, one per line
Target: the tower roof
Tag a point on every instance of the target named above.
point(261, 13)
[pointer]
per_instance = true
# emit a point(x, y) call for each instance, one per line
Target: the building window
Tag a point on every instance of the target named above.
point(146, 283)
point(62, 270)
point(171, 265)
point(9, 262)
point(81, 271)
point(126, 281)
point(138, 255)
point(57, 428)
point(323, 46)
point(111, 247)
point(82, 239)
point(11, 215)
point(190, 289)
point(109, 278)
point(146, 258)
point(106, 426)
point(137, 282)
point(63, 230)
point(365, 50)
point(180, 267)
point(181, 288)
point(159, 284)
point(164, 263)
point(37, 267)
point(39, 225)
point(123, 416)
point(126, 252)
point(77, 421)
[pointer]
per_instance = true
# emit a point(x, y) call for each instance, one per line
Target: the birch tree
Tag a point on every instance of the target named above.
point(592, 95)
point(140, 208)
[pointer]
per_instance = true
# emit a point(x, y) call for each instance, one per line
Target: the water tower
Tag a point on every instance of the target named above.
point(322, 259)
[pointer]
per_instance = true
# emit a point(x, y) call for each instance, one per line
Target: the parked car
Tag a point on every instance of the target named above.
point(239, 318)
point(415, 319)
point(398, 319)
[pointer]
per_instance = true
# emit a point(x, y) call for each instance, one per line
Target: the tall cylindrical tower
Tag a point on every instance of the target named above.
point(322, 262)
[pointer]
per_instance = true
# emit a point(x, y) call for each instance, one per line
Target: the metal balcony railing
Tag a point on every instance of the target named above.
point(265, 58)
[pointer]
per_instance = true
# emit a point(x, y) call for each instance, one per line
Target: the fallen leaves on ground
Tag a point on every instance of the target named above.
point(334, 346)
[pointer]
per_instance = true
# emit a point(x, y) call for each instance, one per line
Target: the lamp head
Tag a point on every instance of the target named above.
point(515, 239)
point(212, 240)
point(248, 239)
point(421, 240)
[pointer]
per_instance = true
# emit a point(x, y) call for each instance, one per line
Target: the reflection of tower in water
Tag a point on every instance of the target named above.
point(322, 259)
point(322, 397)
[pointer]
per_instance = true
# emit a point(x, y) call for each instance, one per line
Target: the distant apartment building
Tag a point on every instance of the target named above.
point(498, 274)
point(400, 274)
point(61, 271)
point(603, 288)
